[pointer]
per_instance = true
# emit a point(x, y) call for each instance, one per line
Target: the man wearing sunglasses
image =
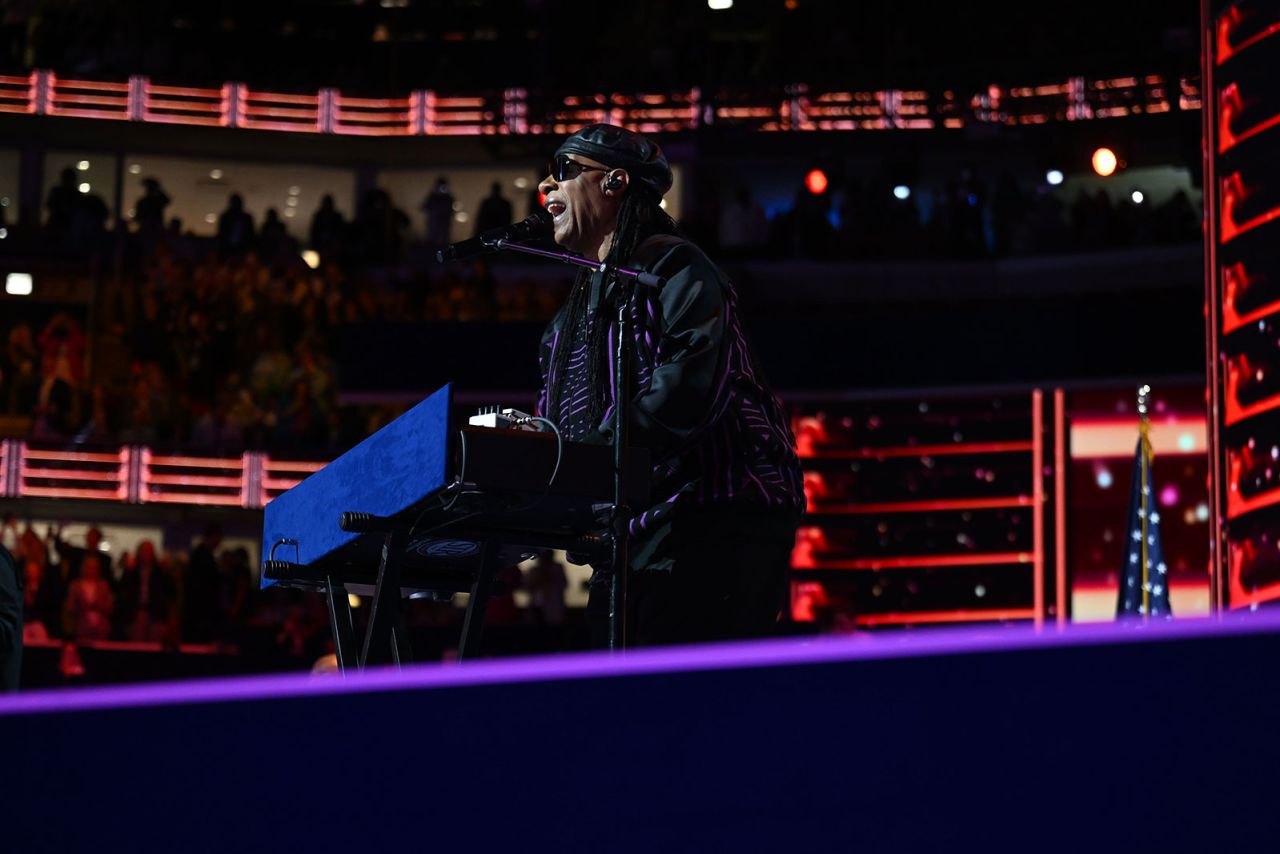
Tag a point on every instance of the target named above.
point(710, 557)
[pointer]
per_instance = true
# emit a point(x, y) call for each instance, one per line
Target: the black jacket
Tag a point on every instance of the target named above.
point(10, 621)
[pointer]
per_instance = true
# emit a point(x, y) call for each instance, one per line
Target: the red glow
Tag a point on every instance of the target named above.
point(920, 561)
point(1104, 162)
point(932, 506)
point(1037, 486)
point(923, 617)
point(917, 451)
point(816, 181)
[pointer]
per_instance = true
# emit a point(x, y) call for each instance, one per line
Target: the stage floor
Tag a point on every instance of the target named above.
point(1101, 736)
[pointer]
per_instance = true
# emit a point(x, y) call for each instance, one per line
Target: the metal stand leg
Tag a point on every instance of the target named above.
point(473, 623)
point(341, 623)
point(401, 651)
point(386, 601)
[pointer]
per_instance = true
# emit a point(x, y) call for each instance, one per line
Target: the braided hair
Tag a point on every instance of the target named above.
point(640, 216)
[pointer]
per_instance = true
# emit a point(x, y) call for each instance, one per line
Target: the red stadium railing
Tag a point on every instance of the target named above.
point(517, 111)
point(138, 475)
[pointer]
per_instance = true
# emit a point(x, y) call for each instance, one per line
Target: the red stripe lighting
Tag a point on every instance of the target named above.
point(73, 456)
point(293, 465)
point(1232, 104)
point(920, 561)
point(1231, 19)
point(940, 505)
point(193, 462)
point(71, 474)
point(194, 480)
point(70, 492)
point(1037, 480)
point(201, 499)
point(934, 617)
point(89, 85)
point(1234, 192)
point(920, 451)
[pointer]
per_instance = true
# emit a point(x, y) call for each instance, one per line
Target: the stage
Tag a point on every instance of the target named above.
point(1101, 737)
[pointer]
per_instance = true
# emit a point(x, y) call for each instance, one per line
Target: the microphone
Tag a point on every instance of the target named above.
point(537, 224)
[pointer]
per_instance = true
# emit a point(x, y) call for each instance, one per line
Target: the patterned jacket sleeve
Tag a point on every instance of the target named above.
point(689, 388)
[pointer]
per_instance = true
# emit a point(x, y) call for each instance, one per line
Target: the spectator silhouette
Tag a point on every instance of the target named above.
point(272, 237)
point(145, 597)
point(148, 213)
point(88, 608)
point(438, 207)
point(61, 204)
point(495, 210)
point(235, 228)
point(200, 593)
point(327, 226)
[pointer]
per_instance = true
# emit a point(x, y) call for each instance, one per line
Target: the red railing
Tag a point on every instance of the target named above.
point(515, 111)
point(138, 475)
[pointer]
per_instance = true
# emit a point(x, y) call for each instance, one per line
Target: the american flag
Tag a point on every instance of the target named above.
point(1144, 578)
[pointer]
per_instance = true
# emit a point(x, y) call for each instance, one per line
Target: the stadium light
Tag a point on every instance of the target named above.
point(816, 181)
point(1104, 162)
point(1053, 176)
point(1137, 197)
point(902, 192)
point(18, 284)
point(719, 5)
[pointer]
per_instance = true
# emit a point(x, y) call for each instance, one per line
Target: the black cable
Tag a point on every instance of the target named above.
point(453, 499)
point(529, 419)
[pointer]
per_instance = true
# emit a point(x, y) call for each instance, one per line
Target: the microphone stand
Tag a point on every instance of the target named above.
point(620, 517)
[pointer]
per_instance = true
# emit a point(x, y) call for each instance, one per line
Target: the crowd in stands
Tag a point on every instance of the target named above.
point(207, 599)
point(229, 341)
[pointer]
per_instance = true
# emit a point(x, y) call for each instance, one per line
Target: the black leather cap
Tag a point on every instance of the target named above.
point(619, 148)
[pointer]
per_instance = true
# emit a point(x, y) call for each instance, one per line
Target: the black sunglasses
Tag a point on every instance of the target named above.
point(563, 169)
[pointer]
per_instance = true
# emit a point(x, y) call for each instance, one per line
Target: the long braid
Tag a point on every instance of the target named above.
point(639, 217)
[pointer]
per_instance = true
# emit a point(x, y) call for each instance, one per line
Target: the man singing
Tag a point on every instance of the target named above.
point(710, 558)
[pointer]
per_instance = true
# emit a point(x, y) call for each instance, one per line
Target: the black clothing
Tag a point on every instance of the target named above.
point(728, 580)
point(10, 621)
point(726, 484)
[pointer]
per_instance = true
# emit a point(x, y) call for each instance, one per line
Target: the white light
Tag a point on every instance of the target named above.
point(1053, 176)
point(1137, 197)
point(84, 188)
point(353, 600)
point(522, 183)
point(18, 284)
point(1202, 512)
point(289, 212)
point(295, 190)
point(461, 216)
point(4, 232)
point(902, 192)
point(211, 218)
point(83, 165)
point(719, 5)
point(1186, 442)
point(135, 168)
point(312, 258)
point(1104, 478)
point(292, 201)
point(215, 174)
point(663, 204)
